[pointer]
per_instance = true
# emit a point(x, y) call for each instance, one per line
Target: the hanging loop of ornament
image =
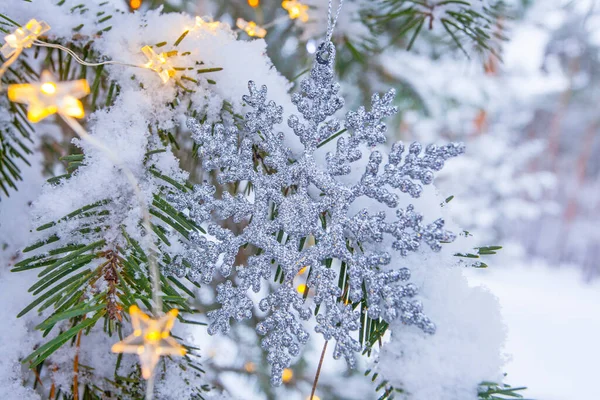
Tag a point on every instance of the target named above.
point(325, 53)
point(331, 22)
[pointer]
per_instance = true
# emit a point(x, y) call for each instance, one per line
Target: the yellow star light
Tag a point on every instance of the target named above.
point(48, 97)
point(159, 63)
point(23, 37)
point(251, 28)
point(151, 338)
point(253, 3)
point(296, 9)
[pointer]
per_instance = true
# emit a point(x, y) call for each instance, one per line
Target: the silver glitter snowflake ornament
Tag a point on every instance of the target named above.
point(295, 201)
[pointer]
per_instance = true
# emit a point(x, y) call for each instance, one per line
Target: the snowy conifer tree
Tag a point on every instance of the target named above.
point(191, 193)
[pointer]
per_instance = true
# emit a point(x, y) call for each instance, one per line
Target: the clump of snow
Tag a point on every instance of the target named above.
point(17, 336)
point(17, 340)
point(553, 327)
point(466, 347)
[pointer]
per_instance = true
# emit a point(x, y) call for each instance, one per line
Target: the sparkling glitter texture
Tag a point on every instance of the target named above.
point(294, 199)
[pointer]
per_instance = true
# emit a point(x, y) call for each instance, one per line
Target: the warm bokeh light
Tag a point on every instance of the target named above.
point(251, 28)
point(250, 367)
point(254, 3)
point(296, 9)
point(135, 4)
point(287, 375)
point(151, 338)
point(301, 288)
point(207, 23)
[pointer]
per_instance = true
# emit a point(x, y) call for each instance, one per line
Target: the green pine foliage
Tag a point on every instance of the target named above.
point(467, 23)
point(485, 391)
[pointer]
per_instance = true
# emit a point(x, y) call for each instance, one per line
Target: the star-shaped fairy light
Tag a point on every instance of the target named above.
point(23, 37)
point(151, 338)
point(48, 97)
point(296, 9)
point(159, 63)
point(251, 28)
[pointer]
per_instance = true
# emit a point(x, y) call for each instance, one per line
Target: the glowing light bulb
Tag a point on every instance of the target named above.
point(250, 367)
point(23, 37)
point(135, 4)
point(208, 24)
point(153, 336)
point(296, 9)
point(251, 28)
point(159, 63)
point(253, 3)
point(48, 88)
point(154, 339)
point(301, 288)
point(47, 97)
point(287, 375)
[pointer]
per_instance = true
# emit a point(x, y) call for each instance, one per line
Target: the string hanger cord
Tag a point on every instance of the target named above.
point(331, 22)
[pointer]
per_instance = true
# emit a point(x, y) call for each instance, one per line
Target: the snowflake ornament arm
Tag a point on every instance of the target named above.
point(284, 211)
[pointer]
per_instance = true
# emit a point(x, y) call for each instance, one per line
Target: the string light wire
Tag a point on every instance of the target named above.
point(9, 62)
point(79, 60)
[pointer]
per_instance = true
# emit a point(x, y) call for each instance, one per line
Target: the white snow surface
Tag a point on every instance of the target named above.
point(553, 324)
point(17, 336)
point(466, 348)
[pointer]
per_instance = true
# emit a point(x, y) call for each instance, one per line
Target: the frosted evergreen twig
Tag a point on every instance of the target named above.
point(149, 243)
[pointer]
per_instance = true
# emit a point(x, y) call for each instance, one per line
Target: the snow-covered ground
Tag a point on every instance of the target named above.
point(553, 320)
